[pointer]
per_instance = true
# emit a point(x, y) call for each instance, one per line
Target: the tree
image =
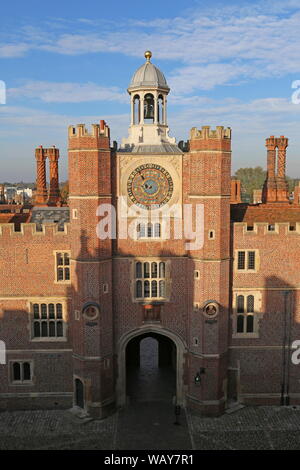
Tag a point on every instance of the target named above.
point(251, 178)
point(64, 192)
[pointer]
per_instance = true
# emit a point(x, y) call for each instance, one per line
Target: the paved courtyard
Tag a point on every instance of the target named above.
point(150, 425)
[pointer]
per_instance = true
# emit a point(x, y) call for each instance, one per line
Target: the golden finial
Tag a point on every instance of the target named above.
point(148, 55)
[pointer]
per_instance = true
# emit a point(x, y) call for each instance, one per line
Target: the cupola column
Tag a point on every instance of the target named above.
point(132, 111)
point(142, 111)
point(165, 110)
point(155, 108)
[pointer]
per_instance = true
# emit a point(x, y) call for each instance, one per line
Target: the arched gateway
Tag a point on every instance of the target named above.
point(156, 331)
point(146, 276)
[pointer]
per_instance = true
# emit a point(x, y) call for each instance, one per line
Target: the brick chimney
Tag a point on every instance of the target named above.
point(275, 187)
point(282, 186)
point(235, 197)
point(270, 189)
point(53, 156)
point(41, 185)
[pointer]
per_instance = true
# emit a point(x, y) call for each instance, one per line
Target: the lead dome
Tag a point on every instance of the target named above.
point(147, 75)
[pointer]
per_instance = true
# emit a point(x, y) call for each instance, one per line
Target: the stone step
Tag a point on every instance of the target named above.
point(234, 407)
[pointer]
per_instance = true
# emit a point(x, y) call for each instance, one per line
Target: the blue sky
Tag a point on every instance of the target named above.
point(68, 62)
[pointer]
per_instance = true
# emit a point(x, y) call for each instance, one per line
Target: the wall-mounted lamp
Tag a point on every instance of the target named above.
point(197, 378)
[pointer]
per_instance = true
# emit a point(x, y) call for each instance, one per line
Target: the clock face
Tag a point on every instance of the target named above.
point(150, 186)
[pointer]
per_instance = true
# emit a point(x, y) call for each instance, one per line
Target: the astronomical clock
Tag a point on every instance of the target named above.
point(150, 185)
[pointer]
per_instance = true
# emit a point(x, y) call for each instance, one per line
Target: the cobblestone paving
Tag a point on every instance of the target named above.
point(261, 428)
point(52, 430)
point(151, 425)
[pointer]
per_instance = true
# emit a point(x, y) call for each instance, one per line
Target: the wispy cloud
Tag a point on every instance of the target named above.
point(13, 50)
point(207, 42)
point(62, 92)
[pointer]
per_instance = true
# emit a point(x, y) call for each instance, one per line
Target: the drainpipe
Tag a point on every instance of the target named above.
point(289, 329)
point(284, 399)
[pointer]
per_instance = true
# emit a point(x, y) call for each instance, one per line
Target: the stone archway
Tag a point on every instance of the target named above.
point(180, 357)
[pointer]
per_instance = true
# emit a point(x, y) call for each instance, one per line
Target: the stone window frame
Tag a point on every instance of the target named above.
point(166, 278)
point(274, 230)
point(47, 302)
point(105, 288)
point(211, 234)
point(246, 269)
point(145, 236)
point(21, 382)
point(256, 313)
point(62, 266)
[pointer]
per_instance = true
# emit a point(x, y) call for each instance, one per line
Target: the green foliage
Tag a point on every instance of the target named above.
point(251, 178)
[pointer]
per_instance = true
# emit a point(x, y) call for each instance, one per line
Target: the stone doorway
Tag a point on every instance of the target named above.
point(79, 393)
point(151, 369)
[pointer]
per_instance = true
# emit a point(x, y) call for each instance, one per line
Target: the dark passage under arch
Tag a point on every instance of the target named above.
point(151, 368)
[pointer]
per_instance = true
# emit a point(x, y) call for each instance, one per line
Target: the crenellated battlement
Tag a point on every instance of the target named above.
point(30, 229)
point(265, 228)
point(207, 133)
point(97, 130)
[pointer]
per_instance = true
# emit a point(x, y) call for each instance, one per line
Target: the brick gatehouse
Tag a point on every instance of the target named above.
point(75, 305)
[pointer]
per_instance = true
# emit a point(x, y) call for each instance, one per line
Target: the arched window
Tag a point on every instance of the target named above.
point(250, 323)
point(162, 269)
point(162, 289)
point(240, 324)
point(21, 371)
point(157, 231)
point(146, 270)
point(150, 279)
point(36, 329)
point(146, 289)
point(45, 320)
point(149, 230)
point(148, 108)
point(160, 109)
point(59, 311)
point(44, 328)
point(51, 328)
point(250, 303)
point(26, 371)
point(240, 304)
point(140, 228)
point(245, 310)
point(138, 270)
point(62, 266)
point(142, 231)
point(153, 270)
point(136, 109)
point(59, 328)
point(36, 310)
point(51, 310)
point(16, 371)
point(139, 287)
point(44, 310)
point(154, 289)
